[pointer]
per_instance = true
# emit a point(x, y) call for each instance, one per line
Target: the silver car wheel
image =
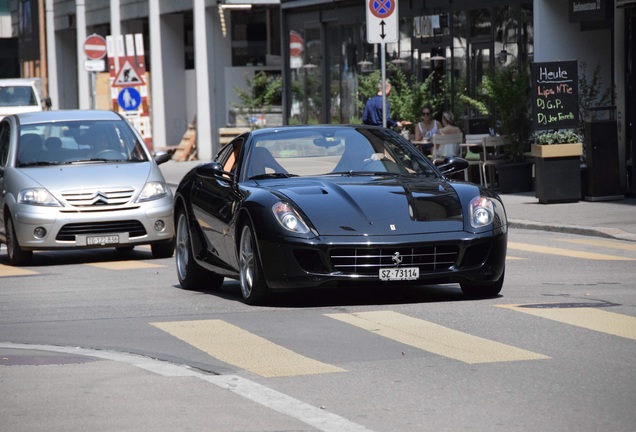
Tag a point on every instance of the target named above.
point(182, 247)
point(247, 262)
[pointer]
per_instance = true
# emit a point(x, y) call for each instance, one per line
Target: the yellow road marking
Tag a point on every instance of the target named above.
point(124, 265)
point(241, 348)
point(435, 338)
point(508, 257)
point(6, 271)
point(603, 243)
point(566, 252)
point(585, 317)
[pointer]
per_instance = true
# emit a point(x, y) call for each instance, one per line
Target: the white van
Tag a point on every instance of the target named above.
point(20, 95)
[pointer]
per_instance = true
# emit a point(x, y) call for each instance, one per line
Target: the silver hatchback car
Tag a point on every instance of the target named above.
point(80, 179)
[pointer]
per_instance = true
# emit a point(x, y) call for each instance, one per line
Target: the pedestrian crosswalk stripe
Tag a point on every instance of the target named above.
point(586, 317)
point(238, 347)
point(124, 265)
point(610, 244)
point(566, 252)
point(435, 338)
point(7, 271)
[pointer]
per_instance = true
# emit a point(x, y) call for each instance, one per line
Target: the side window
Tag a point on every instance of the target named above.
point(5, 134)
point(229, 155)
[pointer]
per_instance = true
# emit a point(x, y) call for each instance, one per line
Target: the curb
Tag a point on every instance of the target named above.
point(612, 233)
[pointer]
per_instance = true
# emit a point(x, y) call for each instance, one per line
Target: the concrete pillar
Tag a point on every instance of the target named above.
point(157, 99)
point(115, 18)
point(206, 126)
point(51, 54)
point(83, 82)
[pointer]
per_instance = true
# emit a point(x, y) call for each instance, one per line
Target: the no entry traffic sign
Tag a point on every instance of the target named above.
point(95, 47)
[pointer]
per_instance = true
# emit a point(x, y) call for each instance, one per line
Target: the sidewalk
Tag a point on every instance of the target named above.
point(610, 219)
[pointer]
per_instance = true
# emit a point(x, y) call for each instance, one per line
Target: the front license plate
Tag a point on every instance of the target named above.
point(400, 273)
point(102, 240)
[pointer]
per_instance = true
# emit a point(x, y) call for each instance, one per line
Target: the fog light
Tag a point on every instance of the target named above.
point(39, 232)
point(159, 225)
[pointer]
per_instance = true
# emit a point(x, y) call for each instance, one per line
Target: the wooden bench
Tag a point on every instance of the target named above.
point(227, 134)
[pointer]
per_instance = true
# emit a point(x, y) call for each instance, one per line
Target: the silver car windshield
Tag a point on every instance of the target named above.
point(78, 142)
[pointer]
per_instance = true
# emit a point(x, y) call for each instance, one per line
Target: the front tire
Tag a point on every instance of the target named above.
point(190, 274)
point(253, 286)
point(483, 290)
point(17, 256)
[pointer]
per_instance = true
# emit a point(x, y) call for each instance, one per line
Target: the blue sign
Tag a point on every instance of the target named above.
point(129, 99)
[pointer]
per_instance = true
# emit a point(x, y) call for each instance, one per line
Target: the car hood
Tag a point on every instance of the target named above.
point(376, 205)
point(89, 176)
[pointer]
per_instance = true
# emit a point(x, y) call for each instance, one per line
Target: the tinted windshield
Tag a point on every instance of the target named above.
point(17, 96)
point(340, 151)
point(78, 142)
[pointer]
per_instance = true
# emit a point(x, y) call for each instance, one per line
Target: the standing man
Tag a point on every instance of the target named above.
point(373, 110)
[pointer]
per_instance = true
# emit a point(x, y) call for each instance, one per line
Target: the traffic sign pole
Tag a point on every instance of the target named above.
point(382, 28)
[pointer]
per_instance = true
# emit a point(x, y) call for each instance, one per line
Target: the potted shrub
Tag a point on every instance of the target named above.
point(558, 166)
point(507, 90)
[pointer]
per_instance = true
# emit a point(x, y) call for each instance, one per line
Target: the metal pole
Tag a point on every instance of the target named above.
point(382, 66)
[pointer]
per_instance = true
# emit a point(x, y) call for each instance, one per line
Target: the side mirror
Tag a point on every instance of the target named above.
point(214, 170)
point(47, 104)
point(453, 164)
point(161, 157)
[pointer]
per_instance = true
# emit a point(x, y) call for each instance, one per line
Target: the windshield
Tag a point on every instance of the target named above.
point(14, 96)
point(333, 151)
point(78, 142)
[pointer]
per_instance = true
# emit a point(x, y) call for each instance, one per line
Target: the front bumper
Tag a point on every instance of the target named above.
point(68, 229)
point(441, 258)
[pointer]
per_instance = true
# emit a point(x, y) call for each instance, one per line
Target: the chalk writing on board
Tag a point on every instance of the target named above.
point(555, 95)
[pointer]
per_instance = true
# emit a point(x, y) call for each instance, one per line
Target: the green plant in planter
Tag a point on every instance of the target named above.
point(567, 136)
point(262, 92)
point(507, 89)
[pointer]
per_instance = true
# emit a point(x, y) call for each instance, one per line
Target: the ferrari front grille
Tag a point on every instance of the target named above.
point(101, 197)
point(368, 261)
point(132, 227)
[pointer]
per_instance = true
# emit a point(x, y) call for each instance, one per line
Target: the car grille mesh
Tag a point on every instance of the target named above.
point(132, 227)
point(101, 197)
point(368, 261)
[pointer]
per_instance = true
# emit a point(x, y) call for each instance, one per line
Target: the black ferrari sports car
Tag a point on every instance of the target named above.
point(327, 206)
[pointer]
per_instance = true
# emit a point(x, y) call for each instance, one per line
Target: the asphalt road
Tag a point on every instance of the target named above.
point(108, 341)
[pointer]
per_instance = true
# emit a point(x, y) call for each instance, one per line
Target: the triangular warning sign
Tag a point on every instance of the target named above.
point(127, 76)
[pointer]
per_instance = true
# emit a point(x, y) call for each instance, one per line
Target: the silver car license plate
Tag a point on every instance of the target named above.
point(102, 240)
point(399, 273)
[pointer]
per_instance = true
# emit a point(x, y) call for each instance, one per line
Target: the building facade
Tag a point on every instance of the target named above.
point(197, 51)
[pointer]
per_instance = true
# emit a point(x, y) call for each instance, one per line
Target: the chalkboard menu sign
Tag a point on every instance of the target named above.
point(555, 95)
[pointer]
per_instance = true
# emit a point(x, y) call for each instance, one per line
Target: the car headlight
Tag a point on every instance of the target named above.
point(152, 191)
point(482, 212)
point(289, 218)
point(37, 196)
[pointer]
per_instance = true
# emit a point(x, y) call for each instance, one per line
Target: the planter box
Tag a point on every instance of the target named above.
point(556, 150)
point(558, 179)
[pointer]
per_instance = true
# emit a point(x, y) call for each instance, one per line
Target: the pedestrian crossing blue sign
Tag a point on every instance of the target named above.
point(129, 99)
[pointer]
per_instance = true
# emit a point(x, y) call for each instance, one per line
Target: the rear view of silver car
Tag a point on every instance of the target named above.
point(80, 179)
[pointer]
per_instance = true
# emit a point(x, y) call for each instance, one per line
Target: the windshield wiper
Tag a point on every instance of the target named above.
point(39, 163)
point(272, 175)
point(364, 173)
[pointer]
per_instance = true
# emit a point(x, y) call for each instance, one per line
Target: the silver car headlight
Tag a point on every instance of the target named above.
point(37, 196)
point(289, 218)
point(482, 212)
point(152, 191)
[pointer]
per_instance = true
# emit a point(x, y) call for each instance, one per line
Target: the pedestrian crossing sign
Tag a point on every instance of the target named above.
point(127, 76)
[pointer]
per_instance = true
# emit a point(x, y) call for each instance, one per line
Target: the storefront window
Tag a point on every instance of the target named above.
point(306, 78)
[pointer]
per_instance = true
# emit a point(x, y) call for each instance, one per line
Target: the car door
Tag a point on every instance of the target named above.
point(214, 202)
point(5, 135)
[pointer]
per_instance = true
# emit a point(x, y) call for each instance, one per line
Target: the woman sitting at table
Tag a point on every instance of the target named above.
point(448, 128)
point(426, 129)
